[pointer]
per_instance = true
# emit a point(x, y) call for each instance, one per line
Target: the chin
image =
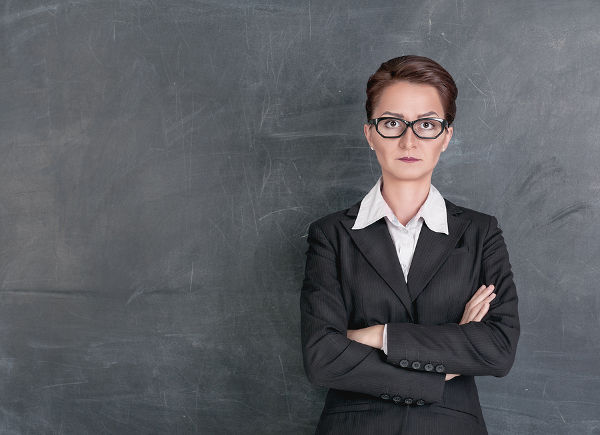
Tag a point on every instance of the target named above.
point(409, 175)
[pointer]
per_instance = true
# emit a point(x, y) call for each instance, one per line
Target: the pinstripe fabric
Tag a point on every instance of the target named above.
point(353, 280)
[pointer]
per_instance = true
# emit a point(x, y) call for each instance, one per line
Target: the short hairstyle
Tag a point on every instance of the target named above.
point(413, 69)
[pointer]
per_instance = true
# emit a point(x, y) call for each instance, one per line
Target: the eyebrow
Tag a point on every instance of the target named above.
point(399, 115)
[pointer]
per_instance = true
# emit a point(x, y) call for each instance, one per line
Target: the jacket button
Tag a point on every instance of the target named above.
point(416, 365)
point(408, 401)
point(404, 363)
point(440, 368)
point(429, 367)
point(385, 396)
point(397, 399)
point(420, 402)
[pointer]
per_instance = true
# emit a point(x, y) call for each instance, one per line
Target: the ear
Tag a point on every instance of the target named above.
point(367, 130)
point(447, 138)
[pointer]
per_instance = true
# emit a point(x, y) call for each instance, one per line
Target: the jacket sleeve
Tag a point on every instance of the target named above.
point(480, 348)
point(330, 358)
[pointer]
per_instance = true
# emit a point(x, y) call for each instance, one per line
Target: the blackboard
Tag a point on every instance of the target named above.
point(161, 163)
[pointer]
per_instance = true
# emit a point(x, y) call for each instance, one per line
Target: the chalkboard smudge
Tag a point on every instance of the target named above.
point(298, 208)
point(573, 208)
point(9, 19)
point(63, 385)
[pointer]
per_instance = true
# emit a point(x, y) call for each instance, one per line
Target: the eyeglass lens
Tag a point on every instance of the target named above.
point(428, 128)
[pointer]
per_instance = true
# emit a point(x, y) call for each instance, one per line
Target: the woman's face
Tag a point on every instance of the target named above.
point(408, 101)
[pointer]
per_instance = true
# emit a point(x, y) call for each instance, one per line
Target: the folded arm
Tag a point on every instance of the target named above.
point(330, 358)
point(480, 348)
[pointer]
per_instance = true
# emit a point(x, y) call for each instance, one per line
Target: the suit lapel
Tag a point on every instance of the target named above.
point(377, 246)
point(433, 249)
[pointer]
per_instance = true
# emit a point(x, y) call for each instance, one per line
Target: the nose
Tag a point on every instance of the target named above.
point(408, 139)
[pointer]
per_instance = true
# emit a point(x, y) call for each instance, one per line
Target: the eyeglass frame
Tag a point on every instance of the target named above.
point(410, 124)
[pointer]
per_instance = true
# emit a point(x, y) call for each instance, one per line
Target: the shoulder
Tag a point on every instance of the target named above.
point(332, 222)
point(479, 219)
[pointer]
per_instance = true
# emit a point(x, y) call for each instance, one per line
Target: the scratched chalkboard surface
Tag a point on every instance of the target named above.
point(161, 162)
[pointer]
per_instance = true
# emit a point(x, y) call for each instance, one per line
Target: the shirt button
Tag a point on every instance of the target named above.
point(408, 401)
point(420, 402)
point(385, 396)
point(404, 363)
point(429, 367)
point(416, 365)
point(397, 399)
point(440, 368)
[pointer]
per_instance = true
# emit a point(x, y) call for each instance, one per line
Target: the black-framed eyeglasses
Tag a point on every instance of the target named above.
point(423, 128)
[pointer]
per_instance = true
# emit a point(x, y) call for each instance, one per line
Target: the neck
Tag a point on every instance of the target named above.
point(405, 198)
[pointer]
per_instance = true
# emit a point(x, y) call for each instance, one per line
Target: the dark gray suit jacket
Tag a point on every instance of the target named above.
point(353, 280)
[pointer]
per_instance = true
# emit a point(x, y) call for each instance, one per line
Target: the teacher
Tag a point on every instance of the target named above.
point(407, 296)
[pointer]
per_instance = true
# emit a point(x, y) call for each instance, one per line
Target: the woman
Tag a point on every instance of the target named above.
point(407, 296)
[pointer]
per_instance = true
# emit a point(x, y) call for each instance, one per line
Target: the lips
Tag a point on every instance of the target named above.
point(409, 159)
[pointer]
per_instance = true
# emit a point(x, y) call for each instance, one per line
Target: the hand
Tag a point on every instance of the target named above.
point(371, 336)
point(479, 304)
point(475, 309)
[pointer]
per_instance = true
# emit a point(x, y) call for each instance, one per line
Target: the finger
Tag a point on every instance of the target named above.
point(476, 310)
point(470, 313)
point(473, 313)
point(484, 288)
point(474, 305)
point(478, 298)
point(482, 312)
point(479, 295)
point(488, 298)
point(480, 290)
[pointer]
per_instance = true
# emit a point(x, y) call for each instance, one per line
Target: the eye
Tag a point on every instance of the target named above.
point(392, 123)
point(428, 128)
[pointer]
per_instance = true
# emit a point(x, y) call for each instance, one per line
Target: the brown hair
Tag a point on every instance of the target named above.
point(414, 69)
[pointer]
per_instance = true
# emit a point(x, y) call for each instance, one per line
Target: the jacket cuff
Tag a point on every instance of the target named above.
point(428, 389)
point(406, 355)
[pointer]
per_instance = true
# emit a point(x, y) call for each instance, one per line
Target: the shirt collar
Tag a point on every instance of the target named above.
point(373, 207)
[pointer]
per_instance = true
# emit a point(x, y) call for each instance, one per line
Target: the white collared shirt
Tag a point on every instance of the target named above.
point(433, 211)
